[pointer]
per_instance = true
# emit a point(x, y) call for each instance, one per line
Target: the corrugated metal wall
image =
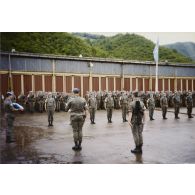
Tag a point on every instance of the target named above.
point(85, 85)
point(16, 84)
point(38, 83)
point(166, 83)
point(103, 83)
point(27, 84)
point(140, 84)
point(153, 84)
point(59, 83)
point(68, 84)
point(77, 82)
point(48, 83)
point(172, 84)
point(4, 83)
point(95, 84)
point(126, 84)
point(160, 87)
point(147, 81)
point(110, 84)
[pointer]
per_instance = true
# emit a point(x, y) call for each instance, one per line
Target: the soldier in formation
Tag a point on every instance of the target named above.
point(151, 106)
point(189, 104)
point(124, 105)
point(109, 105)
point(92, 104)
point(176, 103)
point(164, 105)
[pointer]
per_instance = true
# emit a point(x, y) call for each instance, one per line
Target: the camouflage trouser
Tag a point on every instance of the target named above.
point(10, 123)
point(109, 113)
point(176, 107)
point(124, 111)
point(92, 114)
point(50, 114)
point(164, 111)
point(189, 110)
point(41, 104)
point(98, 104)
point(151, 111)
point(31, 106)
point(77, 125)
point(58, 106)
point(137, 134)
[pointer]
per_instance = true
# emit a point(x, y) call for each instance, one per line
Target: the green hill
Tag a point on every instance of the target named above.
point(123, 46)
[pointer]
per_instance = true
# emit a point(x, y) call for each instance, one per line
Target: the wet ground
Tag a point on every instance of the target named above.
point(165, 141)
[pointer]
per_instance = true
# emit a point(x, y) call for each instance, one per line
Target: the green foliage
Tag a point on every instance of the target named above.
point(123, 46)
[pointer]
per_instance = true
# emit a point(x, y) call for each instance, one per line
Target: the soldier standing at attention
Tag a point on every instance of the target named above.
point(176, 102)
point(92, 103)
point(136, 121)
point(109, 105)
point(9, 117)
point(78, 113)
point(164, 105)
point(189, 104)
point(151, 106)
point(50, 108)
point(124, 105)
point(31, 101)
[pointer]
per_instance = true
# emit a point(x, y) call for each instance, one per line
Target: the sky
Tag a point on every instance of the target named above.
point(164, 37)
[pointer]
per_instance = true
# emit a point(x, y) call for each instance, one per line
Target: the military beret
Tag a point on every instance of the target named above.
point(76, 90)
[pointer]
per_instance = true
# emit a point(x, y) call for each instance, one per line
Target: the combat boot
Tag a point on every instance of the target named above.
point(93, 122)
point(190, 116)
point(75, 147)
point(136, 150)
point(79, 146)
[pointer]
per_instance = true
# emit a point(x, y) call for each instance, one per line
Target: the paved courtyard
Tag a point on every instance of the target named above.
point(165, 141)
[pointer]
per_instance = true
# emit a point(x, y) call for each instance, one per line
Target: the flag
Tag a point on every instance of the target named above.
point(155, 51)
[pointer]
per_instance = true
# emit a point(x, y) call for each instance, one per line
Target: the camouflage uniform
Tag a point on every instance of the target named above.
point(176, 102)
point(50, 108)
point(109, 105)
point(22, 100)
point(9, 116)
point(189, 105)
point(77, 106)
point(124, 106)
point(151, 106)
point(31, 102)
point(164, 105)
point(40, 101)
point(137, 125)
point(92, 103)
point(58, 99)
point(98, 97)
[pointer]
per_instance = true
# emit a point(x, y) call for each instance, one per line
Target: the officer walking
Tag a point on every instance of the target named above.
point(78, 113)
point(136, 121)
point(176, 102)
point(151, 106)
point(9, 116)
point(50, 108)
point(124, 105)
point(189, 104)
point(92, 103)
point(164, 105)
point(109, 105)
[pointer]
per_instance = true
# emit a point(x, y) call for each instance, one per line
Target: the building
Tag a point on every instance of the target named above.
point(34, 72)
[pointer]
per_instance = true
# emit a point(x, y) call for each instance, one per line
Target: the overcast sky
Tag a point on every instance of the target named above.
point(164, 37)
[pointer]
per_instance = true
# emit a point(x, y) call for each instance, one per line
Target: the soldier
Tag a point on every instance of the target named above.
point(31, 101)
point(40, 101)
point(22, 100)
point(176, 102)
point(9, 116)
point(92, 103)
point(189, 105)
point(136, 121)
point(164, 105)
point(151, 106)
point(109, 105)
point(50, 108)
point(78, 113)
point(58, 99)
point(98, 97)
point(124, 105)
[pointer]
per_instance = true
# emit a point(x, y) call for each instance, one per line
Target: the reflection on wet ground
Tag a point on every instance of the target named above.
point(170, 141)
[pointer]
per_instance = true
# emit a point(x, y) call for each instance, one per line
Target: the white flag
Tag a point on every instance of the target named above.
point(155, 51)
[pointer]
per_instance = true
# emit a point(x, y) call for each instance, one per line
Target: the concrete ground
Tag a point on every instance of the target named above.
point(165, 141)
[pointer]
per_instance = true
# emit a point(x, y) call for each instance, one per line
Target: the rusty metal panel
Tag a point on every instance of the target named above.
point(48, 83)
point(110, 84)
point(103, 83)
point(27, 84)
point(171, 84)
point(95, 84)
point(127, 84)
point(166, 83)
point(147, 83)
point(140, 84)
point(190, 85)
point(118, 84)
point(38, 83)
point(77, 82)
point(184, 84)
point(3, 83)
point(178, 84)
point(133, 84)
point(68, 84)
point(160, 88)
point(85, 85)
point(59, 83)
point(16, 84)
point(153, 84)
